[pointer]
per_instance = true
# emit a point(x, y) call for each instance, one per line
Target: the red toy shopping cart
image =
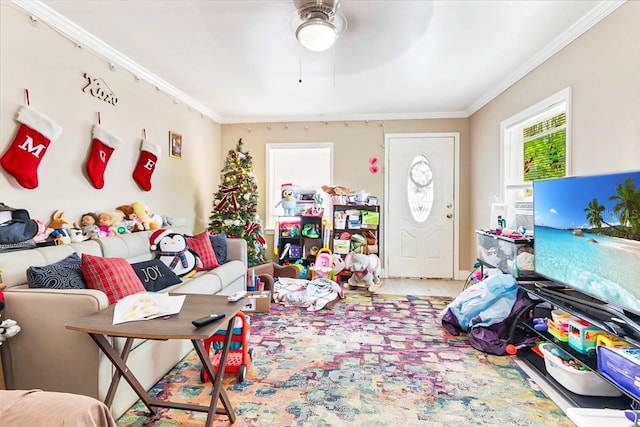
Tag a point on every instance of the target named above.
point(240, 355)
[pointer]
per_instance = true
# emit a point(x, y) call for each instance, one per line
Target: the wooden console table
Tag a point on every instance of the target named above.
point(100, 325)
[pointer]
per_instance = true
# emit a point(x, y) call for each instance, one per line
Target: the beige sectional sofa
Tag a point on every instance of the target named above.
point(47, 356)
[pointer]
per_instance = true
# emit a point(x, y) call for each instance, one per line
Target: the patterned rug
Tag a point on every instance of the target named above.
point(381, 360)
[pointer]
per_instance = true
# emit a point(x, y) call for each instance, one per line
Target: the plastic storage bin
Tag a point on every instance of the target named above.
point(586, 383)
point(502, 253)
point(621, 365)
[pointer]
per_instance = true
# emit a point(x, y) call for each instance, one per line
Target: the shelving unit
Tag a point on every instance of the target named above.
point(369, 223)
point(586, 308)
point(296, 238)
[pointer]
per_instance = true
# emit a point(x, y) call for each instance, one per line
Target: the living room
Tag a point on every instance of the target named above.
point(601, 67)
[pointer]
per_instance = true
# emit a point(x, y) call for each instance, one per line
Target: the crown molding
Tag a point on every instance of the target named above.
point(576, 30)
point(84, 38)
point(346, 117)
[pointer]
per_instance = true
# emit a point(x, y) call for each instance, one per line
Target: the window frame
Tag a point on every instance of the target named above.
point(509, 129)
point(272, 199)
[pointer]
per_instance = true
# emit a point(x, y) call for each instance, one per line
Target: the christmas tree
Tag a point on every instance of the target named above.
point(235, 203)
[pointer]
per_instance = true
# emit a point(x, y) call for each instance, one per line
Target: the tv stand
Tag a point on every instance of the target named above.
point(605, 317)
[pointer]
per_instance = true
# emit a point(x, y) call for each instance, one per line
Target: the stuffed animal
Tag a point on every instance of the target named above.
point(88, 225)
point(57, 228)
point(41, 235)
point(130, 220)
point(172, 250)
point(8, 328)
point(288, 200)
point(76, 236)
point(144, 215)
point(106, 224)
point(366, 269)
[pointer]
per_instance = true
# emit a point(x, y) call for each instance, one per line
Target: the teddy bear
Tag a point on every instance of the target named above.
point(130, 219)
point(365, 269)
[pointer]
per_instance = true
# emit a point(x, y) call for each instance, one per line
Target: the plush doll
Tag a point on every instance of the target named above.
point(144, 215)
point(130, 219)
point(41, 235)
point(366, 269)
point(173, 251)
point(57, 228)
point(288, 200)
point(88, 225)
point(106, 224)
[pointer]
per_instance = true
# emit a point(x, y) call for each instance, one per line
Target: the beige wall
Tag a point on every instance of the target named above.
point(354, 145)
point(38, 58)
point(603, 69)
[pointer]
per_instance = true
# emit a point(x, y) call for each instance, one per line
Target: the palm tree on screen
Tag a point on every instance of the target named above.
point(628, 206)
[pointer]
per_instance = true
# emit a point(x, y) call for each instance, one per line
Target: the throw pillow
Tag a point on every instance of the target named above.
point(202, 245)
point(155, 275)
point(113, 276)
point(65, 274)
point(219, 243)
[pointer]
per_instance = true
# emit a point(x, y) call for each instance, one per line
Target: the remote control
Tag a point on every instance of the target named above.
point(207, 319)
point(237, 296)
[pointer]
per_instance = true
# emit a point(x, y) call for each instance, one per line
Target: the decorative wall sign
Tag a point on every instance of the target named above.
point(175, 145)
point(99, 89)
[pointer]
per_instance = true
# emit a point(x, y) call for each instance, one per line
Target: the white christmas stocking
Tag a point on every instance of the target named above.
point(149, 154)
point(34, 136)
point(102, 146)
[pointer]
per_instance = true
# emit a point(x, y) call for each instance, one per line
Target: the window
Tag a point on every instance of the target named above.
point(535, 145)
point(307, 166)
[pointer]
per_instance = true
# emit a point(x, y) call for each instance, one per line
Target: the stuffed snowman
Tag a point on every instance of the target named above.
point(173, 251)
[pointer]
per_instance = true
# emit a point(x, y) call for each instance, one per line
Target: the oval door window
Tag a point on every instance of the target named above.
point(420, 188)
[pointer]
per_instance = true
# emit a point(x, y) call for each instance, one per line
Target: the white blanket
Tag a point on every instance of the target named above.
point(313, 294)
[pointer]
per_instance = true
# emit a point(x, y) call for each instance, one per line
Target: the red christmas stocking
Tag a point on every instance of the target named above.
point(149, 154)
point(34, 136)
point(102, 146)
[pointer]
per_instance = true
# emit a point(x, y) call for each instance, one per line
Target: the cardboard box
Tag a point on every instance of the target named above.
point(258, 302)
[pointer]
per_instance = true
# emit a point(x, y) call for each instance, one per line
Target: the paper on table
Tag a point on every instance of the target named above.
point(146, 306)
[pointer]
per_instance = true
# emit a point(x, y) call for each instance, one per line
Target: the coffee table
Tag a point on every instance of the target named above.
point(100, 325)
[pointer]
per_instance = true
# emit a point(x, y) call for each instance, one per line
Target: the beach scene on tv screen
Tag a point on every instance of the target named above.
point(587, 235)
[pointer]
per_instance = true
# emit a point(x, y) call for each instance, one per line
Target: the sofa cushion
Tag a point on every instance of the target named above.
point(113, 276)
point(65, 274)
point(202, 245)
point(155, 275)
point(219, 243)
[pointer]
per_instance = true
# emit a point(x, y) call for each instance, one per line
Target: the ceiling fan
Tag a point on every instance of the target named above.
point(319, 28)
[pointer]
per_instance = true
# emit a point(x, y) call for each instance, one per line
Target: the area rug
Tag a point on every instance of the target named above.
point(370, 360)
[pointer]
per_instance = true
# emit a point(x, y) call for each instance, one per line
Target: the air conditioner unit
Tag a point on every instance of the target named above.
point(524, 215)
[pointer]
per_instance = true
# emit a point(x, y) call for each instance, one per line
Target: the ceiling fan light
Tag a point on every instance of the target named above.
point(316, 34)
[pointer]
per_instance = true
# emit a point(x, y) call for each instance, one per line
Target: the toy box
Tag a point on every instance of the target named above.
point(579, 381)
point(582, 335)
point(370, 218)
point(513, 256)
point(621, 365)
point(259, 302)
point(560, 331)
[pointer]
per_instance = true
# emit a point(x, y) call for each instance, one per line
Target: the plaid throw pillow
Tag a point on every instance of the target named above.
point(113, 276)
point(202, 245)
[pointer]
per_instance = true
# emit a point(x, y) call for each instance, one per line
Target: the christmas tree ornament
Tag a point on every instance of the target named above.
point(103, 143)
point(149, 154)
point(35, 134)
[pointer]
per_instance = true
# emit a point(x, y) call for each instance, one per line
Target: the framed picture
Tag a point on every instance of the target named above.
point(175, 145)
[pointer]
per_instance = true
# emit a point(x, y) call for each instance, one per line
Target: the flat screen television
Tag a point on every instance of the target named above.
point(587, 236)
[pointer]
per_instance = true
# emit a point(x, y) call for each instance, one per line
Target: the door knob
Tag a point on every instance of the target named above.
point(449, 205)
point(449, 215)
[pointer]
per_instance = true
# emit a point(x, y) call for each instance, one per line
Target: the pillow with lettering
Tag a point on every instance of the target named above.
point(155, 275)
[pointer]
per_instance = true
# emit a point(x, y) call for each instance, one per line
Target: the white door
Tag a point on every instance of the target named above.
point(419, 227)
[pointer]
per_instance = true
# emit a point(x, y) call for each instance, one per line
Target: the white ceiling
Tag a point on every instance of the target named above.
point(239, 62)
